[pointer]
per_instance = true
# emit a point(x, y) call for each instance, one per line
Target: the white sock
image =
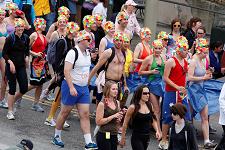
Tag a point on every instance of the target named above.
point(206, 141)
point(58, 132)
point(87, 138)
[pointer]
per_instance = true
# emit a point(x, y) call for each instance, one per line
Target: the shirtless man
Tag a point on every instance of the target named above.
point(115, 70)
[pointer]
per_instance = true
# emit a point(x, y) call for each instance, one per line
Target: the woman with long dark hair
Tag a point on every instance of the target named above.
point(140, 116)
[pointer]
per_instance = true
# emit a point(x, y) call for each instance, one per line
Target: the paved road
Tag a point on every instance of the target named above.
point(30, 125)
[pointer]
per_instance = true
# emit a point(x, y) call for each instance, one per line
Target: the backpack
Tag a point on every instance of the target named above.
point(51, 51)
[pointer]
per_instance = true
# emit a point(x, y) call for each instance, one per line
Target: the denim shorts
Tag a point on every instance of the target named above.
point(83, 96)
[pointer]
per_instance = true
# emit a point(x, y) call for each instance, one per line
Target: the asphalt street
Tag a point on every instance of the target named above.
point(30, 125)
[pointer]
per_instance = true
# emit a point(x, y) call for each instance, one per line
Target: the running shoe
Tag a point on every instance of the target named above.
point(209, 145)
point(57, 141)
point(66, 125)
point(37, 107)
point(10, 115)
point(50, 97)
point(4, 104)
point(18, 103)
point(91, 146)
point(43, 95)
point(51, 122)
point(163, 145)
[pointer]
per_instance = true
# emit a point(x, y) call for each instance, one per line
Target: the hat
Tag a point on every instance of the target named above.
point(39, 22)
point(131, 2)
point(118, 36)
point(144, 32)
point(26, 143)
point(178, 109)
point(63, 11)
point(163, 35)
point(201, 45)
point(122, 15)
point(72, 27)
point(126, 38)
point(19, 22)
point(98, 17)
point(157, 43)
point(88, 21)
point(108, 26)
point(83, 35)
point(11, 6)
point(2, 11)
point(181, 43)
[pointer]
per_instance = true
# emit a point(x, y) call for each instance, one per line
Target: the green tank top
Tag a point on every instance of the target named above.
point(160, 68)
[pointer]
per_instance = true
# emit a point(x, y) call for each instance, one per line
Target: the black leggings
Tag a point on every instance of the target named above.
point(20, 76)
point(106, 144)
point(140, 141)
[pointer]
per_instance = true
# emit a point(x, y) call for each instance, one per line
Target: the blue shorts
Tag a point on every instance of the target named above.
point(83, 96)
point(170, 98)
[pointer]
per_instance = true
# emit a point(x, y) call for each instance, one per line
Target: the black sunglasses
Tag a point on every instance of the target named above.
point(176, 25)
point(200, 33)
point(146, 93)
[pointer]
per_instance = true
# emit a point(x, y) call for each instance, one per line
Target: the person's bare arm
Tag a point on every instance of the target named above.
point(102, 60)
point(137, 51)
point(147, 62)
point(50, 31)
point(102, 46)
point(127, 118)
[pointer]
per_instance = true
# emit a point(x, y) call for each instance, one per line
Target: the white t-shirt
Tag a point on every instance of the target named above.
point(81, 70)
point(100, 9)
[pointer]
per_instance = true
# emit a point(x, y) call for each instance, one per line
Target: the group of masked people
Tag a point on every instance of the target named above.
point(156, 74)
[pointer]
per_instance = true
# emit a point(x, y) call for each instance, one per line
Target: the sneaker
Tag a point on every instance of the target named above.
point(50, 97)
point(3, 104)
point(209, 145)
point(18, 103)
point(211, 130)
point(10, 116)
point(163, 145)
point(43, 95)
point(66, 125)
point(91, 146)
point(51, 122)
point(57, 141)
point(37, 107)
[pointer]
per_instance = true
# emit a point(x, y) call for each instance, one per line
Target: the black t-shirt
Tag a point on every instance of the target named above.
point(99, 34)
point(16, 49)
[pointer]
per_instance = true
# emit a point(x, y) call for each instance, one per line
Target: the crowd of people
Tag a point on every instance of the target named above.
point(173, 80)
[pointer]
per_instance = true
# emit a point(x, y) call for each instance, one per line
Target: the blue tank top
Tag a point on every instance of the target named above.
point(3, 34)
point(109, 44)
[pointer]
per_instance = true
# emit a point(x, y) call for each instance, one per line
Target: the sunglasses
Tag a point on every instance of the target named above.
point(89, 40)
point(146, 93)
point(165, 39)
point(176, 25)
point(200, 33)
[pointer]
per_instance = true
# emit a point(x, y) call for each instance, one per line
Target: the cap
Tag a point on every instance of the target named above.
point(181, 43)
point(72, 27)
point(2, 11)
point(122, 15)
point(131, 2)
point(39, 22)
point(26, 143)
point(163, 35)
point(83, 35)
point(118, 36)
point(98, 17)
point(157, 43)
point(178, 109)
point(19, 22)
point(108, 26)
point(88, 21)
point(201, 45)
point(144, 32)
point(63, 11)
point(11, 6)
